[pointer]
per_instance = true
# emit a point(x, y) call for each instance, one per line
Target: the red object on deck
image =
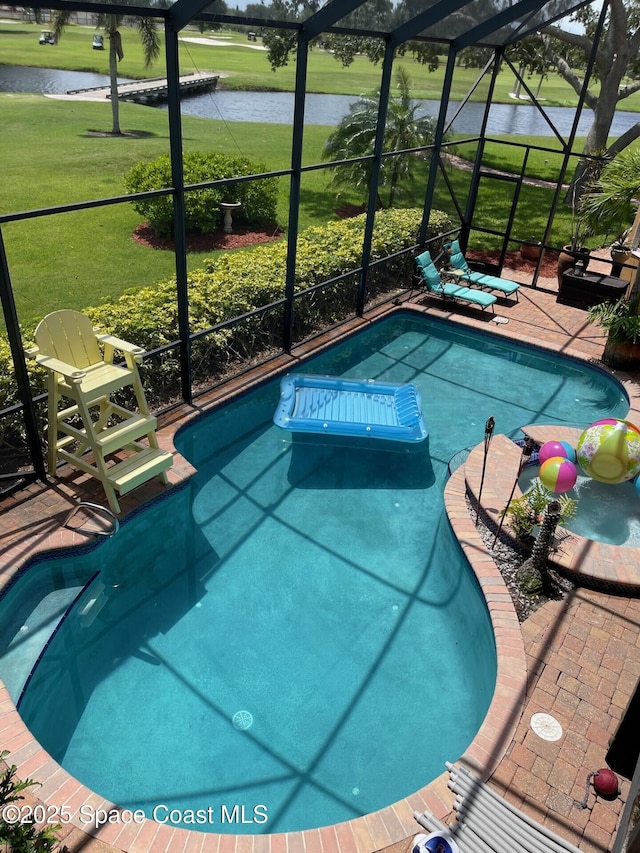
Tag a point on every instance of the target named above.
point(605, 782)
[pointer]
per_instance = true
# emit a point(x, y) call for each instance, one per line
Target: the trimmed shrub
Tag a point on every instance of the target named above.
point(258, 198)
point(234, 283)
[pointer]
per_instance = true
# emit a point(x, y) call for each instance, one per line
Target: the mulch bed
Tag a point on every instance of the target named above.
point(243, 236)
point(513, 261)
point(239, 238)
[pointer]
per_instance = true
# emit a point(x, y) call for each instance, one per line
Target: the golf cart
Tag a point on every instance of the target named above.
point(98, 42)
point(47, 37)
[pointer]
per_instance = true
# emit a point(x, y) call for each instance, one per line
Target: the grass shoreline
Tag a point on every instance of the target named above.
point(246, 67)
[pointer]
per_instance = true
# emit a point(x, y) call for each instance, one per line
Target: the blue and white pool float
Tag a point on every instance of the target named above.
point(350, 407)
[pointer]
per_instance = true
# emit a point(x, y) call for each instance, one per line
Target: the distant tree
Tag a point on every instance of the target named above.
point(375, 15)
point(280, 43)
point(213, 26)
point(617, 66)
point(253, 10)
point(529, 54)
point(148, 33)
point(346, 48)
point(474, 57)
point(354, 137)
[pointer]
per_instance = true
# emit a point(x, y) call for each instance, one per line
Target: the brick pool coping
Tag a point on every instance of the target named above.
point(362, 835)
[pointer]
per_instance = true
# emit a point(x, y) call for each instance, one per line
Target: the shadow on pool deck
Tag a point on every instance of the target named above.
point(577, 659)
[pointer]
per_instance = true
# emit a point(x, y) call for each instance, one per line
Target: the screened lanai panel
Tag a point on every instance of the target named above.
point(493, 21)
point(370, 16)
point(258, 11)
point(439, 19)
point(74, 6)
point(451, 19)
point(531, 21)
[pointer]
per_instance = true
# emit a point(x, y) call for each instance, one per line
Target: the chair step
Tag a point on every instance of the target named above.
point(139, 468)
point(119, 435)
point(112, 438)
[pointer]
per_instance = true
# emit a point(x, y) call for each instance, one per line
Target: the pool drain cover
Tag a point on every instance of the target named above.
point(546, 727)
point(243, 720)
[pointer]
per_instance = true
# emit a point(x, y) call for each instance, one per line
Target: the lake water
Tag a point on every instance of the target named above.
point(48, 81)
point(277, 107)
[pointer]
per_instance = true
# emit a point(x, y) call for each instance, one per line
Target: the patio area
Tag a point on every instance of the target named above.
point(576, 659)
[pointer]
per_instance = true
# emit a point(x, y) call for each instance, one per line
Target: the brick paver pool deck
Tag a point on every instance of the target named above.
point(577, 659)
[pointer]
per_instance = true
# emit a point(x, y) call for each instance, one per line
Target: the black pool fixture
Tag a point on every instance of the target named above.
point(488, 435)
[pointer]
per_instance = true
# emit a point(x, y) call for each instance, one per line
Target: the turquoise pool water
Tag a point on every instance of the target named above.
point(295, 637)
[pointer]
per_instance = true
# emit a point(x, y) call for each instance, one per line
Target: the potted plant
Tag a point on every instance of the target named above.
point(622, 321)
point(620, 252)
point(608, 205)
point(581, 228)
point(531, 249)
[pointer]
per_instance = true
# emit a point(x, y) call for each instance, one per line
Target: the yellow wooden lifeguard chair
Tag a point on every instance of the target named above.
point(89, 432)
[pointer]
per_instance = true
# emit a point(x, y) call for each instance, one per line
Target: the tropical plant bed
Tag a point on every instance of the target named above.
point(240, 238)
point(509, 556)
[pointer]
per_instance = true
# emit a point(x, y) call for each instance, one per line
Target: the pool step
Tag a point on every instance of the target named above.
point(34, 634)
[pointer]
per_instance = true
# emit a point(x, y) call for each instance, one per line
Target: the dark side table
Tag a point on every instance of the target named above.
point(588, 289)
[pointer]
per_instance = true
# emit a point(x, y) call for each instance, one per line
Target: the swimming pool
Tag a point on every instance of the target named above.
point(333, 562)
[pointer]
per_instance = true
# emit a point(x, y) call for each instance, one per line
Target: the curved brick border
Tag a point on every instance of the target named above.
point(505, 710)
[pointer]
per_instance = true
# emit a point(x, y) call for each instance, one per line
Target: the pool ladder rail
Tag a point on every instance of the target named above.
point(93, 531)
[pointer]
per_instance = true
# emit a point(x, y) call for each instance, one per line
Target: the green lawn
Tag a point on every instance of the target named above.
point(86, 257)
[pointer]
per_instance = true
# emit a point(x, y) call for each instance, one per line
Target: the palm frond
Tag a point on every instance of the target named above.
point(59, 21)
point(149, 38)
point(355, 137)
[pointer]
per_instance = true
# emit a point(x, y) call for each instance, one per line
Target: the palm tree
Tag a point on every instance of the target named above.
point(149, 38)
point(354, 137)
point(609, 201)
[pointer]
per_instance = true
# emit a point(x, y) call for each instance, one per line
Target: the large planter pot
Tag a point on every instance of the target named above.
point(530, 250)
point(619, 258)
point(568, 258)
point(622, 355)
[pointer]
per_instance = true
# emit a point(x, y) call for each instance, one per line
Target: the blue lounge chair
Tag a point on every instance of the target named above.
point(490, 282)
point(430, 277)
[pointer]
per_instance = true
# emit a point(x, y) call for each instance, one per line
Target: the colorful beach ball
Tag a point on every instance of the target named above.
point(609, 451)
point(558, 474)
point(614, 421)
point(556, 448)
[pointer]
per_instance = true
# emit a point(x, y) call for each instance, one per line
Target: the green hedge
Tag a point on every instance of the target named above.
point(258, 198)
point(232, 284)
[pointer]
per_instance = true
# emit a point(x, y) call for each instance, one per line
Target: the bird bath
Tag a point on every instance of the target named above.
point(226, 207)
